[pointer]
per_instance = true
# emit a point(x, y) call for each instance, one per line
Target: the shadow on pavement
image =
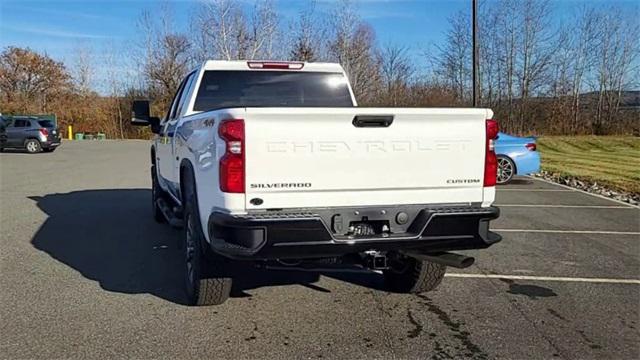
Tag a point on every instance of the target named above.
point(20, 151)
point(367, 279)
point(109, 236)
point(521, 181)
point(533, 292)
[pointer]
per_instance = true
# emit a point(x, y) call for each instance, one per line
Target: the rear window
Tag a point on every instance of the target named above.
point(46, 123)
point(224, 89)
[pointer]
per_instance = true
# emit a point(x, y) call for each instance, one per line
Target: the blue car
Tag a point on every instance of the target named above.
point(516, 156)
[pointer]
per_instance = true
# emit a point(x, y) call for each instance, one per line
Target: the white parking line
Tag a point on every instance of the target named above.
point(569, 231)
point(534, 190)
point(582, 191)
point(471, 276)
point(544, 278)
point(570, 206)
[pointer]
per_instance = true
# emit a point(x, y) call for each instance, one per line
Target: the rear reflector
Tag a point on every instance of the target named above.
point(275, 65)
point(232, 168)
point(531, 146)
point(490, 159)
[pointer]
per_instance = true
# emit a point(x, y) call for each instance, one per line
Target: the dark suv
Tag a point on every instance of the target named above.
point(34, 135)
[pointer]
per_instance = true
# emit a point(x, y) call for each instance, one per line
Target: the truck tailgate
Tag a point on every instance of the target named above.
point(317, 157)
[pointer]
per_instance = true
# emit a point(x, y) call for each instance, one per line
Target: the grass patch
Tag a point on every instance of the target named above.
point(612, 161)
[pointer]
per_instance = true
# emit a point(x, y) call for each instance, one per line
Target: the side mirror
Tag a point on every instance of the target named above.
point(140, 116)
point(140, 113)
point(154, 122)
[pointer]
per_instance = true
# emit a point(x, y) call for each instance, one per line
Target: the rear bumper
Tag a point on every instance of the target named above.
point(306, 235)
point(51, 144)
point(527, 163)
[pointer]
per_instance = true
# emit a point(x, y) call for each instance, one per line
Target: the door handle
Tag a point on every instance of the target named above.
point(372, 120)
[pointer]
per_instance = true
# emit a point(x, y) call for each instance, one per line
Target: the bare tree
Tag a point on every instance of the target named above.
point(560, 85)
point(308, 31)
point(224, 24)
point(264, 31)
point(454, 59)
point(616, 52)
point(83, 69)
point(583, 44)
point(115, 80)
point(167, 58)
point(396, 71)
point(507, 38)
point(535, 52)
point(170, 63)
point(353, 46)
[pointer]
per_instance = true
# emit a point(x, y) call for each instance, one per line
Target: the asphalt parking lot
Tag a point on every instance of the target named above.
point(86, 273)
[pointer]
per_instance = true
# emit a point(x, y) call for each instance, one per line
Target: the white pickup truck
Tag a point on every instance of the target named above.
point(274, 163)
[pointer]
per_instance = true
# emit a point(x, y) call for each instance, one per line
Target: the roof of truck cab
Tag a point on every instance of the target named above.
point(244, 65)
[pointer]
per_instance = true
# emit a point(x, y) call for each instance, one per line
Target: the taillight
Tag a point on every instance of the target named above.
point(232, 162)
point(531, 146)
point(490, 160)
point(44, 132)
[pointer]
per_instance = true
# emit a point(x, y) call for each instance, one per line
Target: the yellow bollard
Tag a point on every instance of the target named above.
point(70, 133)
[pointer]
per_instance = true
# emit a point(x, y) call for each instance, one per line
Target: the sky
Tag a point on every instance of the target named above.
point(57, 26)
point(60, 27)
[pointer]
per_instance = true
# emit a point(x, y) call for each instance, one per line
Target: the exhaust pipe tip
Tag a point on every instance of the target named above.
point(445, 258)
point(467, 261)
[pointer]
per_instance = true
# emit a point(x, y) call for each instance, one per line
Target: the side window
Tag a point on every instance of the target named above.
point(171, 110)
point(21, 123)
point(185, 94)
point(174, 111)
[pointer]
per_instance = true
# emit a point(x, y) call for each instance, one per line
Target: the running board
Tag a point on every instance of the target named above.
point(173, 215)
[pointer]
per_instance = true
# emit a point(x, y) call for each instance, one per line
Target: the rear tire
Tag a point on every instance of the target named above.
point(506, 170)
point(207, 282)
point(156, 193)
point(33, 146)
point(414, 276)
